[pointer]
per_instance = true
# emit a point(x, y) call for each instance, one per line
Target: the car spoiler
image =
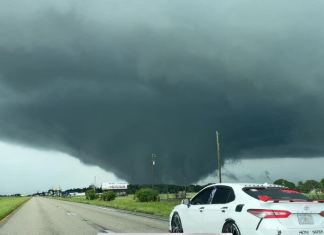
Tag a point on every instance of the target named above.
point(291, 200)
point(266, 198)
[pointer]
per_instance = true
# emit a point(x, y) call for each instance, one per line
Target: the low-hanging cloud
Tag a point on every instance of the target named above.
point(111, 82)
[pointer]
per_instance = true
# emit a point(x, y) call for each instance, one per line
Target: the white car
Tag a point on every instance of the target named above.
point(248, 209)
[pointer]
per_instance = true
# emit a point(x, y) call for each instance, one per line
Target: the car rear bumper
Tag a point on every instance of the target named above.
point(314, 231)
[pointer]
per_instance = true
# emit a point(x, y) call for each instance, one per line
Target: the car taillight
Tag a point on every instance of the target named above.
point(269, 214)
point(322, 213)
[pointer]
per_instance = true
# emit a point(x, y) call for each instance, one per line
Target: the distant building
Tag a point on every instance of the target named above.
point(54, 192)
point(76, 194)
point(119, 188)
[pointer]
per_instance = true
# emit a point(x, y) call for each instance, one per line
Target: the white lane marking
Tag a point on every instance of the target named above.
point(105, 232)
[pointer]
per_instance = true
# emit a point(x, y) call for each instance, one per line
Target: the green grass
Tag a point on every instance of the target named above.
point(171, 196)
point(161, 208)
point(9, 204)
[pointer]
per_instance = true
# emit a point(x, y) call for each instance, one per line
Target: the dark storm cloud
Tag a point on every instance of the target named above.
point(230, 175)
point(114, 82)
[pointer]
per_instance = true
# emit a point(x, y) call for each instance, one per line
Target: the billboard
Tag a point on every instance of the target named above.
point(113, 186)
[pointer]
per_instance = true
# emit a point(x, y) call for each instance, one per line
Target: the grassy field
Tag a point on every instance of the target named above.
point(9, 204)
point(161, 208)
point(172, 196)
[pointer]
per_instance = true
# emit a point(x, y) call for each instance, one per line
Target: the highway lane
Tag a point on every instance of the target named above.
point(42, 216)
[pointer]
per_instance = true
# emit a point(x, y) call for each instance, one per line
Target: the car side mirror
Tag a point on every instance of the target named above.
point(186, 202)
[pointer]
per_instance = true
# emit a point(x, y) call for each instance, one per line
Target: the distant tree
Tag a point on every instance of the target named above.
point(132, 188)
point(147, 195)
point(91, 194)
point(285, 183)
point(322, 185)
point(164, 188)
point(108, 196)
point(308, 186)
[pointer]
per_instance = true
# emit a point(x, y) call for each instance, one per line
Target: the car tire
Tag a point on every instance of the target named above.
point(176, 225)
point(231, 227)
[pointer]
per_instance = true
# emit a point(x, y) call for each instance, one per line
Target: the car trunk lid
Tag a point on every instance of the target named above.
point(303, 214)
point(290, 207)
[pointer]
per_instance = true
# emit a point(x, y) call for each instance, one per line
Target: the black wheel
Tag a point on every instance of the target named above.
point(232, 228)
point(176, 226)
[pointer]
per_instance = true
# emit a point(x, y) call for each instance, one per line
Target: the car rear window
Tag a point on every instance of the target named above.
point(266, 194)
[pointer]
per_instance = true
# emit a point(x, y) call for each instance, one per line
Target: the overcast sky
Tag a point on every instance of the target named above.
point(107, 83)
point(26, 170)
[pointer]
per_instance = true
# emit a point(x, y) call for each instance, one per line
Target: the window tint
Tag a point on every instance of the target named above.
point(223, 195)
point(231, 196)
point(275, 193)
point(203, 197)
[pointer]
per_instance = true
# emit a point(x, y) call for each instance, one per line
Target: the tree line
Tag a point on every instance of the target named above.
point(308, 186)
point(133, 188)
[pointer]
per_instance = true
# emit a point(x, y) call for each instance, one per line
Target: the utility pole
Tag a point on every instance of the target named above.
point(218, 158)
point(185, 186)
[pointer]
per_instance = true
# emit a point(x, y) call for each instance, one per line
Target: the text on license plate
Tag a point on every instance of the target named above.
point(305, 218)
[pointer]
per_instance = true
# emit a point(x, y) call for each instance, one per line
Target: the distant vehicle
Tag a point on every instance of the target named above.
point(248, 209)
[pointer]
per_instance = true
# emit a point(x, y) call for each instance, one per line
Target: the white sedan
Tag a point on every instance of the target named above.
point(248, 209)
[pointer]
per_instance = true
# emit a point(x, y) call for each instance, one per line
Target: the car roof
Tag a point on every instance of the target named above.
point(248, 185)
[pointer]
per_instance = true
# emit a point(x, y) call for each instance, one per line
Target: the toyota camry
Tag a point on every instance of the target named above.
point(248, 209)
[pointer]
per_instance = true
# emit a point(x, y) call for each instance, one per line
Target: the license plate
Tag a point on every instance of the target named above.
point(305, 219)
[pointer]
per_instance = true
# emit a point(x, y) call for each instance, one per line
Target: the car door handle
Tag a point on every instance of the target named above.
point(201, 209)
point(224, 208)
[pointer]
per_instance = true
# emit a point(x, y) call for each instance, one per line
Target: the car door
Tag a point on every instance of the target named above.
point(193, 215)
point(218, 211)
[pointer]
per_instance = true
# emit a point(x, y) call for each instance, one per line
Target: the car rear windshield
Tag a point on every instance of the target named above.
point(266, 194)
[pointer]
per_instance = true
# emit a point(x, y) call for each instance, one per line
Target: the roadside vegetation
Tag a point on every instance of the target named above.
point(108, 196)
point(162, 199)
point(91, 194)
point(9, 204)
point(130, 203)
point(147, 195)
point(144, 200)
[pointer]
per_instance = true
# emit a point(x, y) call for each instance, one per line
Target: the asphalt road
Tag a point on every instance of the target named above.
point(42, 216)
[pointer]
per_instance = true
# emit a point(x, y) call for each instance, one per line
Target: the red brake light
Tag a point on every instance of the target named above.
point(269, 214)
point(264, 198)
point(322, 213)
